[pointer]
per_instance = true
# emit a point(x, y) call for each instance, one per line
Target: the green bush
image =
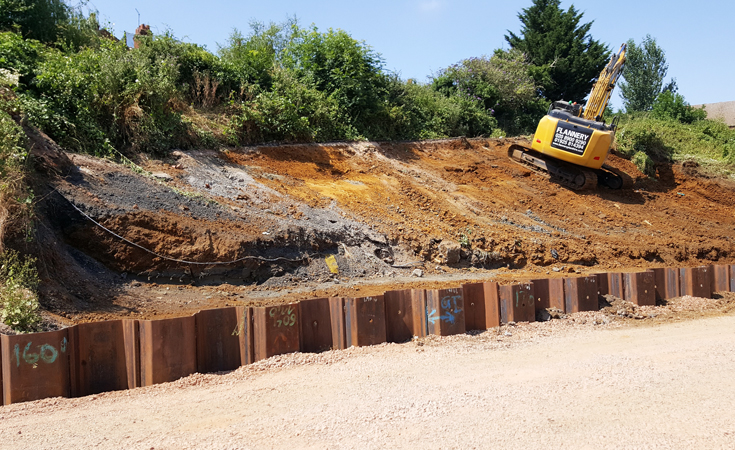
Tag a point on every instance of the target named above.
point(708, 141)
point(291, 112)
point(16, 198)
point(669, 105)
point(112, 96)
point(20, 56)
point(347, 71)
point(251, 59)
point(12, 139)
point(18, 285)
point(639, 137)
point(500, 86)
point(416, 111)
point(19, 308)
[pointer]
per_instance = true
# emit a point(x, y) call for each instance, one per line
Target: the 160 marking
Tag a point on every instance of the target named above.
point(46, 353)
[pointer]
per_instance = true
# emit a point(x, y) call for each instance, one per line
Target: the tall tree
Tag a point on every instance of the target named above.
point(644, 73)
point(37, 19)
point(567, 58)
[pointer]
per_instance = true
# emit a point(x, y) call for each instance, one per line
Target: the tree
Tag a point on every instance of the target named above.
point(644, 73)
point(670, 105)
point(500, 85)
point(567, 58)
point(37, 19)
point(346, 70)
point(253, 57)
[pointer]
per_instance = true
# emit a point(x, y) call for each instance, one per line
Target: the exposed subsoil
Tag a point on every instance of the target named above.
point(458, 210)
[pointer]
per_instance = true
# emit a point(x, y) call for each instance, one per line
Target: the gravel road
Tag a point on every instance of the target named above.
point(542, 385)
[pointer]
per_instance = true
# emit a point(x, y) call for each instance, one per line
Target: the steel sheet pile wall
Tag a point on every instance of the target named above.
point(167, 349)
point(557, 296)
point(542, 293)
point(97, 358)
point(482, 305)
point(244, 335)
point(35, 366)
point(217, 343)
point(445, 312)
point(315, 325)
point(603, 287)
point(696, 281)
point(104, 356)
point(337, 316)
point(580, 294)
point(615, 285)
point(640, 288)
point(364, 321)
point(720, 278)
point(405, 314)
point(666, 280)
point(517, 303)
point(276, 330)
point(131, 336)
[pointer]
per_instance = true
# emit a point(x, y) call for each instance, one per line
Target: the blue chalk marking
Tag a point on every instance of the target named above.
point(30, 358)
point(444, 318)
point(48, 353)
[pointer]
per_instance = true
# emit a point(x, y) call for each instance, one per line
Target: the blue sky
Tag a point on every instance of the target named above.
point(419, 37)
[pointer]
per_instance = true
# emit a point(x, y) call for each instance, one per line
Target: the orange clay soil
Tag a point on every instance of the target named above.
point(458, 210)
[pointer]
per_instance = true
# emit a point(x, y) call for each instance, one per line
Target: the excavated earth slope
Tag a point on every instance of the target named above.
point(259, 223)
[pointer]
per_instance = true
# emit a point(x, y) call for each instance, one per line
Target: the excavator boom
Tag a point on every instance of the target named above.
point(601, 91)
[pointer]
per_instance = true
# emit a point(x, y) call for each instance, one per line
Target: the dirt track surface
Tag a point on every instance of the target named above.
point(381, 209)
point(560, 384)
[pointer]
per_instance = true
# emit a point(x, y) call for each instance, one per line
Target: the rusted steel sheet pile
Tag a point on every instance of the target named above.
point(105, 356)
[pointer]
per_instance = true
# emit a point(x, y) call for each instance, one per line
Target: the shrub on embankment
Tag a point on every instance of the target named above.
point(648, 138)
point(279, 83)
point(18, 276)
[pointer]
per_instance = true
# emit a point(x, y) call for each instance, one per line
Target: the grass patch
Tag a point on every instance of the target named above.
point(709, 142)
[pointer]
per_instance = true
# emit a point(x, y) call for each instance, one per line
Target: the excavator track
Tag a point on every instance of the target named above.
point(568, 175)
point(614, 178)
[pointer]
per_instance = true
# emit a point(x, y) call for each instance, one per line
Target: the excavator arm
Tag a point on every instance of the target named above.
point(601, 91)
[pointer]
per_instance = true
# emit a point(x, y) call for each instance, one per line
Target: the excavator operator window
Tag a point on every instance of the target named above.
point(572, 108)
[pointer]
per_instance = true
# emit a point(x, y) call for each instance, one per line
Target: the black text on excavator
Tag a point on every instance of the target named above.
point(571, 143)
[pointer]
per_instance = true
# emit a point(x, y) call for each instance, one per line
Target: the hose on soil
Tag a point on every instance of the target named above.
point(168, 258)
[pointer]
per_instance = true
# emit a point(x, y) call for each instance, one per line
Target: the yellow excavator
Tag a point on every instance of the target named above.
point(571, 143)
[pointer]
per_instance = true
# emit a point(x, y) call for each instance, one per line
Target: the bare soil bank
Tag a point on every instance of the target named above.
point(459, 210)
